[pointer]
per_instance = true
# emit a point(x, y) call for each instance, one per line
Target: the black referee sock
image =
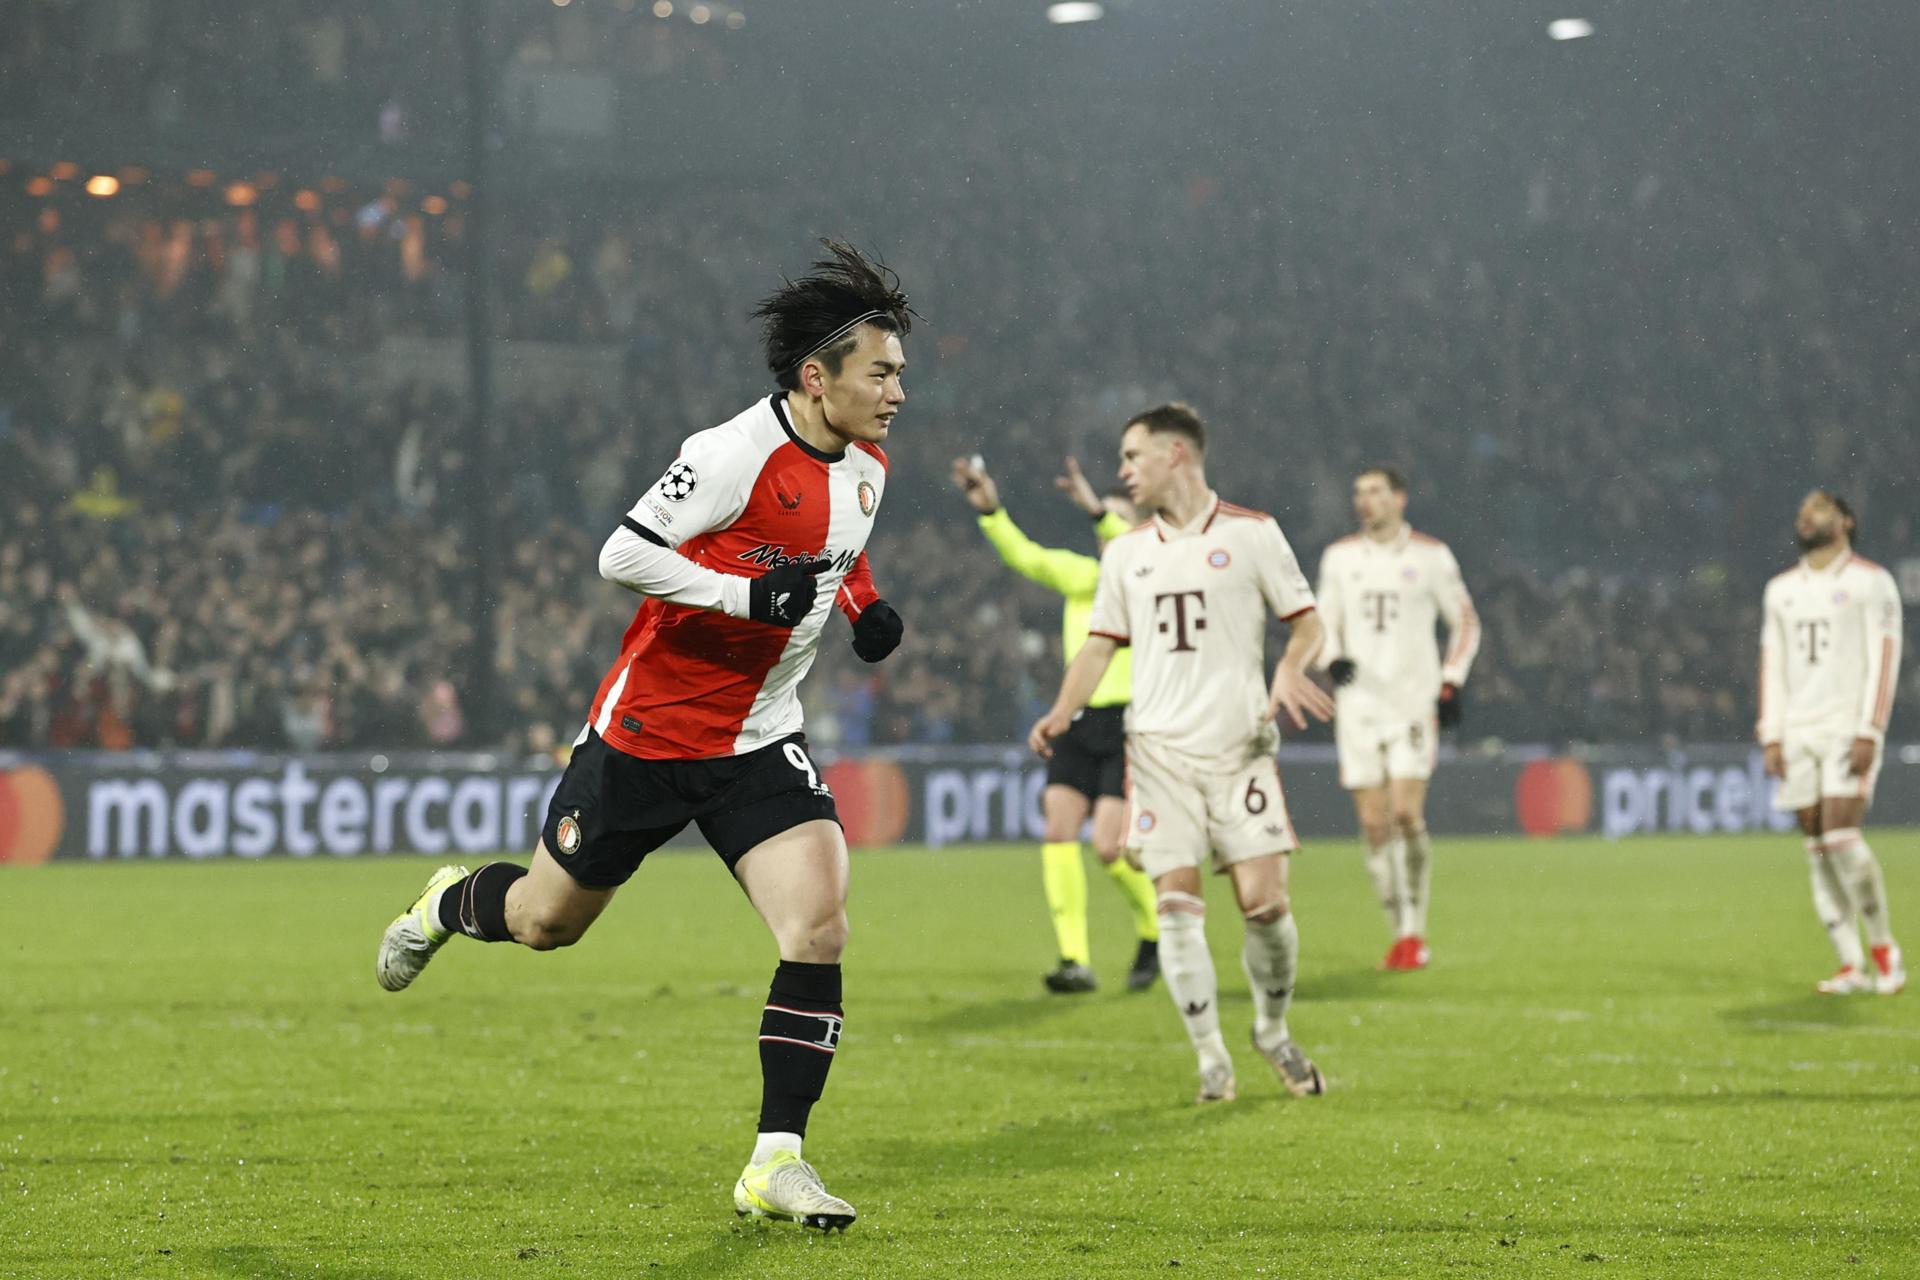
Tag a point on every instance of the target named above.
point(799, 1031)
point(477, 906)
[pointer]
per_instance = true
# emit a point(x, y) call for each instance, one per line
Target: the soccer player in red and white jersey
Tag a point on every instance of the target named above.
point(1382, 591)
point(742, 550)
point(1829, 666)
point(1190, 592)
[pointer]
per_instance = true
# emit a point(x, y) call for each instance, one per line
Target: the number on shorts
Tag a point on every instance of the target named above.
point(798, 759)
point(1256, 798)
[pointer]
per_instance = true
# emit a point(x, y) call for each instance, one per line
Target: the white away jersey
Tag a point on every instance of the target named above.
point(1193, 603)
point(1379, 602)
point(1829, 650)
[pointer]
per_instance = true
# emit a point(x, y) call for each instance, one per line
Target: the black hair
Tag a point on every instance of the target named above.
point(1845, 508)
point(1176, 418)
point(817, 314)
point(1396, 480)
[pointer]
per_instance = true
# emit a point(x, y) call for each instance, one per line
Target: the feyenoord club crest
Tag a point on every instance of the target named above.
point(868, 498)
point(567, 834)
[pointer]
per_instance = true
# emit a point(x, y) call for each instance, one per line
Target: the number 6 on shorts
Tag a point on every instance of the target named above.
point(1256, 798)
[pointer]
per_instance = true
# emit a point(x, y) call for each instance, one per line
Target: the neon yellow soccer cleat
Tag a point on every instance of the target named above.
point(787, 1188)
point(415, 935)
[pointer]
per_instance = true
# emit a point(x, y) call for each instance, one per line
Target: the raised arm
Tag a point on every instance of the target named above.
point(1066, 572)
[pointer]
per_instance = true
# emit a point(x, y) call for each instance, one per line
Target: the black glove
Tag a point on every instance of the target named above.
point(782, 597)
point(1341, 671)
point(1451, 697)
point(877, 631)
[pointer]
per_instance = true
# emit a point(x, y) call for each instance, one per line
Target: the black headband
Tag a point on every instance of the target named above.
point(835, 336)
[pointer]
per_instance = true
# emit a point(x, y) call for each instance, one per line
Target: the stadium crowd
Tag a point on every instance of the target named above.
point(216, 534)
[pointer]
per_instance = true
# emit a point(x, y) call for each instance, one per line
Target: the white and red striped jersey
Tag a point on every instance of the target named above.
point(1193, 603)
point(742, 498)
point(1380, 602)
point(1829, 650)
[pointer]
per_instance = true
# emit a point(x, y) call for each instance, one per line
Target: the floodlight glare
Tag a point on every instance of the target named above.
point(1074, 11)
point(1569, 29)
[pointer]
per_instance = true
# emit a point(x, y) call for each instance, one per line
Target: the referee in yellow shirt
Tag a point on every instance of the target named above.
point(1087, 773)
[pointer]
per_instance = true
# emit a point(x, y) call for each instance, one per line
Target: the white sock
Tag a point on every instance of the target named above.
point(1866, 885)
point(1385, 864)
point(1270, 957)
point(1419, 874)
point(1834, 905)
point(768, 1143)
point(1187, 966)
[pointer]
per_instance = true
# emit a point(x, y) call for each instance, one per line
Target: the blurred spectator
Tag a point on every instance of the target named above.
point(213, 534)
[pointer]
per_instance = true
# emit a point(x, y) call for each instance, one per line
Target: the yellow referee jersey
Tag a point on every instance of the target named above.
point(1074, 576)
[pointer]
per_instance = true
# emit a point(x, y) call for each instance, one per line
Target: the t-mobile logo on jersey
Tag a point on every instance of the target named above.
point(1380, 607)
point(1816, 637)
point(1177, 618)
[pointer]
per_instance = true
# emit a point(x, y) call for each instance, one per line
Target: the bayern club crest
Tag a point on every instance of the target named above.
point(1146, 822)
point(1219, 558)
point(567, 835)
point(868, 498)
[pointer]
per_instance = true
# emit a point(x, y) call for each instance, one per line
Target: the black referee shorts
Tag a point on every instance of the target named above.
point(1091, 756)
point(611, 809)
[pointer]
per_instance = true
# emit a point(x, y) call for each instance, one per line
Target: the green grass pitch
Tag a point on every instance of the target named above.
point(1615, 1067)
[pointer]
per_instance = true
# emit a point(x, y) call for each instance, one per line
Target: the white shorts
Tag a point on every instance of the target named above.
point(1177, 814)
point(1818, 769)
point(1373, 748)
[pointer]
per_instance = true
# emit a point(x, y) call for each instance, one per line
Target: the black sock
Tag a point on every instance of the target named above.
point(477, 906)
point(799, 1030)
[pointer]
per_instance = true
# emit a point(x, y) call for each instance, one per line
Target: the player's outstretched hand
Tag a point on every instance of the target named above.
point(1299, 697)
point(1045, 730)
point(1079, 490)
point(1452, 706)
point(877, 631)
point(972, 479)
point(782, 597)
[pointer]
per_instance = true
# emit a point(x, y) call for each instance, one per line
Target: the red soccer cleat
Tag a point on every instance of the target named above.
point(1889, 970)
point(1395, 954)
point(1846, 982)
point(1416, 954)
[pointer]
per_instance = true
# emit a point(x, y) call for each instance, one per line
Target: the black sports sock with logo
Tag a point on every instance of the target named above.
point(799, 1031)
point(477, 906)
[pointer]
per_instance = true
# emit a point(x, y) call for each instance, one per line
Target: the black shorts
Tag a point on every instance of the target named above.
point(612, 809)
point(1091, 756)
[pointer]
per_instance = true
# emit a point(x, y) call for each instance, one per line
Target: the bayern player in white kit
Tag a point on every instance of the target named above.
point(1381, 592)
point(1190, 591)
point(1829, 667)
